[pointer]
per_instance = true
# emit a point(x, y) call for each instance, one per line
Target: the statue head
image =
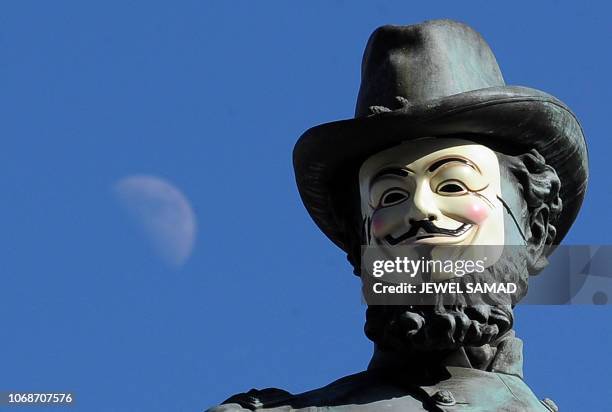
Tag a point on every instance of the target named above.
point(442, 152)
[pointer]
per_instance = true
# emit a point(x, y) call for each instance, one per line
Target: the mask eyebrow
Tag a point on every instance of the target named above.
point(396, 171)
point(441, 162)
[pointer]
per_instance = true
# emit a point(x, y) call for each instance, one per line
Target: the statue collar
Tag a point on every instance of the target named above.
point(503, 356)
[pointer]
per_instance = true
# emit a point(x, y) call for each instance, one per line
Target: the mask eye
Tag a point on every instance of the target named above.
point(393, 197)
point(452, 188)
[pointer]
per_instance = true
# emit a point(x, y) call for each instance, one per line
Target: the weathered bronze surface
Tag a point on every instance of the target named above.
point(439, 79)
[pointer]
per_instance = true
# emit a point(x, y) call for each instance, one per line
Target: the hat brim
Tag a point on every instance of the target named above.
point(509, 119)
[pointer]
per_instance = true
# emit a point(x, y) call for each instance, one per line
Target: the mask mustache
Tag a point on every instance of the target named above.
point(429, 228)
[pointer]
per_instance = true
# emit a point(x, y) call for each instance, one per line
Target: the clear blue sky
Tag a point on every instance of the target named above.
point(212, 96)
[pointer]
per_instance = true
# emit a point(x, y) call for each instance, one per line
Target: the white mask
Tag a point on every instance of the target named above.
point(452, 186)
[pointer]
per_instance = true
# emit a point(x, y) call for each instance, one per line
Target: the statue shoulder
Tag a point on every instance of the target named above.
point(461, 389)
point(337, 394)
point(253, 400)
point(230, 407)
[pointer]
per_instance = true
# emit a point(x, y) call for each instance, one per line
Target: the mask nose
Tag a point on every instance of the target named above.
point(423, 205)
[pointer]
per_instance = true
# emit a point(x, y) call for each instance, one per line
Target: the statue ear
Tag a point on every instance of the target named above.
point(540, 235)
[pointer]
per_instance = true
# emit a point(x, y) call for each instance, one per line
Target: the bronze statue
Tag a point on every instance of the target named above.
point(440, 152)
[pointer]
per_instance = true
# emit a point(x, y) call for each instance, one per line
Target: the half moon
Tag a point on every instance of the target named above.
point(163, 212)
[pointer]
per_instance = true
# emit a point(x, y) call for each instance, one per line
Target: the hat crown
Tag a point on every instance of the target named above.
point(423, 62)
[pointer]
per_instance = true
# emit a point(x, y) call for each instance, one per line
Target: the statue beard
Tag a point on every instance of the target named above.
point(446, 327)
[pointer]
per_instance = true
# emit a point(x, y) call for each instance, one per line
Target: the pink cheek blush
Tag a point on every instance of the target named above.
point(477, 213)
point(378, 225)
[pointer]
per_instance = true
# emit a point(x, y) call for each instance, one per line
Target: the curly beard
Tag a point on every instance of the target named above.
point(441, 327)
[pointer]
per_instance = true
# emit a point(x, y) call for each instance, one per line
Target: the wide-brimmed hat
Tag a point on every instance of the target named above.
point(437, 78)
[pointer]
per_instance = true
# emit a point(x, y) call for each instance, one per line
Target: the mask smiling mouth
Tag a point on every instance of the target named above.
point(424, 229)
